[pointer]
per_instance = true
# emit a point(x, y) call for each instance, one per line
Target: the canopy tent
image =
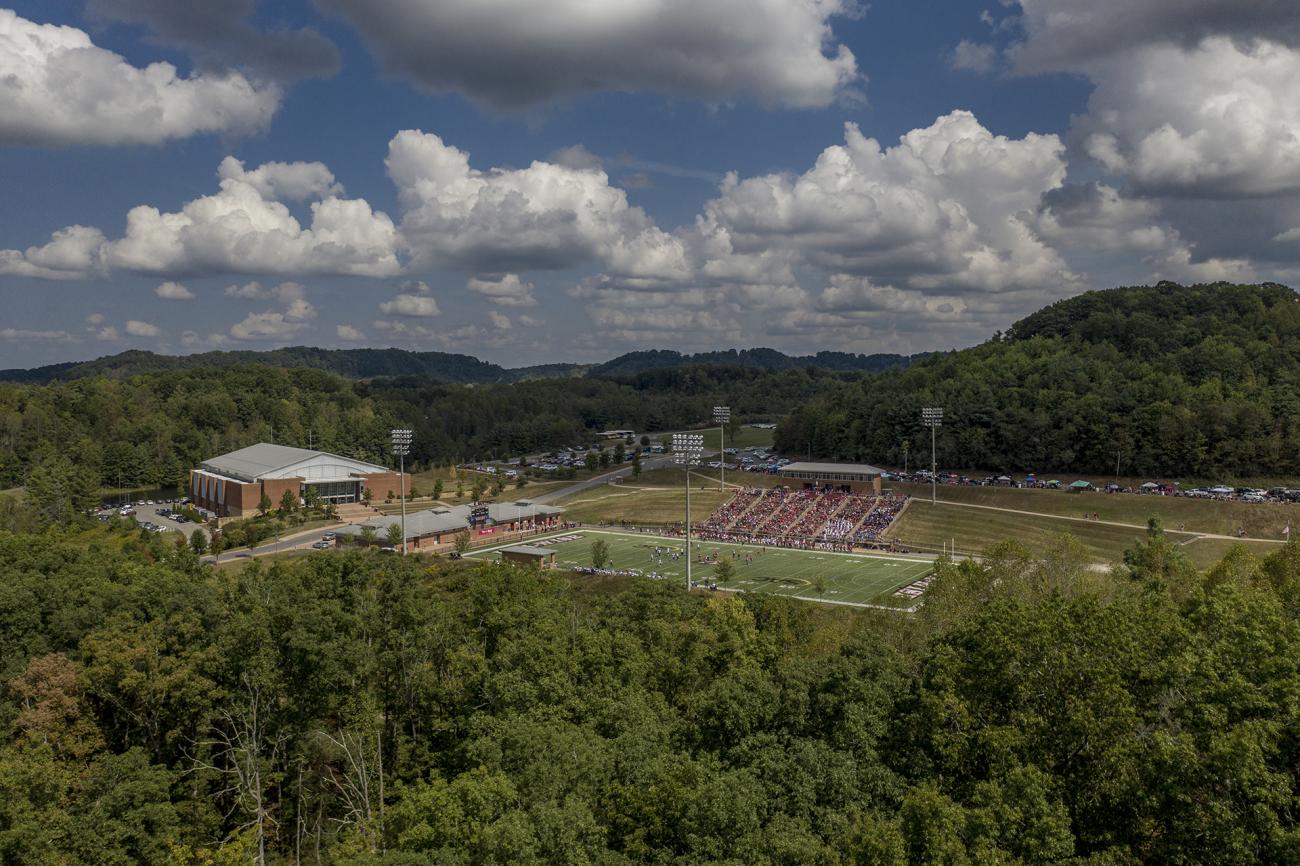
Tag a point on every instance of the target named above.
point(1080, 485)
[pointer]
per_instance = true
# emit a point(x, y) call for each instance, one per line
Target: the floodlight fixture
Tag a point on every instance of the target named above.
point(402, 439)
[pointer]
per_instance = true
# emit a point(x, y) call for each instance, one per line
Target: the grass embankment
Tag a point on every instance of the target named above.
point(1260, 520)
point(1206, 552)
point(653, 506)
point(974, 529)
point(1134, 481)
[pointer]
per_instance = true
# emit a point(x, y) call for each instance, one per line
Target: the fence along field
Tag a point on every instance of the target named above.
point(855, 579)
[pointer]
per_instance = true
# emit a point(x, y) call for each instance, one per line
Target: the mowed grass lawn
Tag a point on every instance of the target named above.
point(654, 506)
point(851, 579)
point(1206, 552)
point(1262, 520)
point(973, 529)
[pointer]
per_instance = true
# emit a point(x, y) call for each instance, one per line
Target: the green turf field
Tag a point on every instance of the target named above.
point(853, 579)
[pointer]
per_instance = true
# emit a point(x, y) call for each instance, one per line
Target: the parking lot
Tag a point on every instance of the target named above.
point(149, 514)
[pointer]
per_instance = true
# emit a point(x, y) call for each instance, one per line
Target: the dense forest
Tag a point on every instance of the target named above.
point(363, 710)
point(151, 429)
point(1166, 380)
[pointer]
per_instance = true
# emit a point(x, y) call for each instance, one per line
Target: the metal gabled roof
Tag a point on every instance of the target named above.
point(264, 458)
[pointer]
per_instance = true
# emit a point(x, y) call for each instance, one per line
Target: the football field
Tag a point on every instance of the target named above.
point(812, 575)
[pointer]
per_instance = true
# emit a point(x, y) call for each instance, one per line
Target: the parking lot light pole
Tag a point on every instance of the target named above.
point(933, 418)
point(687, 448)
point(721, 416)
point(402, 447)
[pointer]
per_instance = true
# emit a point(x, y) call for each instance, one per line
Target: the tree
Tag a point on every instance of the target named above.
point(394, 535)
point(460, 489)
point(264, 504)
point(521, 482)
point(462, 542)
point(480, 485)
point(368, 536)
point(311, 498)
point(217, 543)
point(288, 502)
point(367, 495)
point(198, 542)
point(604, 459)
point(619, 453)
point(636, 464)
point(59, 491)
point(733, 428)
point(724, 570)
point(645, 441)
point(599, 553)
point(591, 461)
point(437, 489)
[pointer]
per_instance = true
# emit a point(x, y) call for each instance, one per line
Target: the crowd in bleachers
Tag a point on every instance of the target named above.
point(749, 522)
point(731, 510)
point(781, 520)
point(841, 527)
point(824, 519)
point(812, 523)
point(887, 508)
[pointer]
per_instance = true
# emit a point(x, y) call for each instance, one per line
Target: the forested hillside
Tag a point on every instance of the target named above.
point(1172, 380)
point(350, 363)
point(444, 367)
point(362, 710)
point(153, 429)
point(635, 363)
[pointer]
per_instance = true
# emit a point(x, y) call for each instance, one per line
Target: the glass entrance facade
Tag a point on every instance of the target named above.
point(336, 491)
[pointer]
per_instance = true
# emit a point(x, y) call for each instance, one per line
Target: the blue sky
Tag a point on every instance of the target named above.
point(474, 177)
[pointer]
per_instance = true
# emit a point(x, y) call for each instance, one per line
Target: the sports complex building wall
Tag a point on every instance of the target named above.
point(233, 484)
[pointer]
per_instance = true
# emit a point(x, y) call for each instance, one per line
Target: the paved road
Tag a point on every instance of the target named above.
point(300, 541)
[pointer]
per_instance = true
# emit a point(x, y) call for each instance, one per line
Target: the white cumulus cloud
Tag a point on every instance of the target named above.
point(137, 328)
point(943, 209)
point(545, 216)
point(57, 87)
point(1218, 119)
point(243, 228)
point(173, 291)
point(506, 290)
point(72, 253)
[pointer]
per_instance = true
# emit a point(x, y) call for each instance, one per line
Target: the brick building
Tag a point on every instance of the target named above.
point(232, 485)
point(432, 528)
point(849, 477)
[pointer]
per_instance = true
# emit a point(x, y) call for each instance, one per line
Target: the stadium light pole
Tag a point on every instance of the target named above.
point(402, 447)
point(721, 416)
point(932, 417)
point(687, 448)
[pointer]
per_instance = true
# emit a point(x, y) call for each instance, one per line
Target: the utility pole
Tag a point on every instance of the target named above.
point(721, 416)
point(932, 417)
point(687, 448)
point(402, 447)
